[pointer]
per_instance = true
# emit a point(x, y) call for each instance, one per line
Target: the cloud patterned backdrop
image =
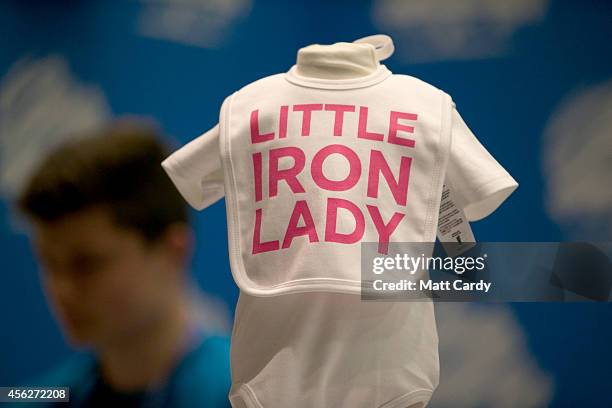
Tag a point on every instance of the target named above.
point(533, 80)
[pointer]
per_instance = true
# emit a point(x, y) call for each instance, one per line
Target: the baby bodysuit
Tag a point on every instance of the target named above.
point(312, 162)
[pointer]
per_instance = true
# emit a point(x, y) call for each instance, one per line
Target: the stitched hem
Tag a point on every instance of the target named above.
point(246, 395)
point(199, 201)
point(413, 397)
point(502, 185)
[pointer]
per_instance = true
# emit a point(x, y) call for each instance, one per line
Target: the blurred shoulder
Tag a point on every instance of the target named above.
point(69, 372)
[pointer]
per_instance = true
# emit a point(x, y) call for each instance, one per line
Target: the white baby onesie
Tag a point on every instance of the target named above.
point(312, 162)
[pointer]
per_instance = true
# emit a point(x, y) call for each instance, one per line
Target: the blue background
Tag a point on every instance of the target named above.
point(506, 100)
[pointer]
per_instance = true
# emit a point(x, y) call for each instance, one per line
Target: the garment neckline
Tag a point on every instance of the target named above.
point(342, 65)
point(379, 75)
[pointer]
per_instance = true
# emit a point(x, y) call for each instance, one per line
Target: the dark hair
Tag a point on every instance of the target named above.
point(119, 168)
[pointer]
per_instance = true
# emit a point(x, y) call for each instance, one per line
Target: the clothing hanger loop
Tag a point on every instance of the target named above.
point(383, 45)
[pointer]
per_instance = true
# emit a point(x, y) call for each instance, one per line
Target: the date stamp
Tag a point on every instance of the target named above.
point(34, 394)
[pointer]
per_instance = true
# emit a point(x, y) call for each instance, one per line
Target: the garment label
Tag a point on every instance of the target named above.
point(454, 231)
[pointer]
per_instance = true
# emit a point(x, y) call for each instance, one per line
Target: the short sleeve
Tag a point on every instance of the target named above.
point(195, 169)
point(478, 182)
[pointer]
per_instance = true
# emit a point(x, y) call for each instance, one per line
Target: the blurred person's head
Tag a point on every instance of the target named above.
point(111, 233)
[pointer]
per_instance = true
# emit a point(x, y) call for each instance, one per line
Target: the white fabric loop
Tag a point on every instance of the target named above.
point(381, 42)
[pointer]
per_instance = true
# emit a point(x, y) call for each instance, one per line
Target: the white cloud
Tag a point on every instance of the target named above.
point(484, 360)
point(41, 105)
point(429, 30)
point(577, 158)
point(203, 23)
